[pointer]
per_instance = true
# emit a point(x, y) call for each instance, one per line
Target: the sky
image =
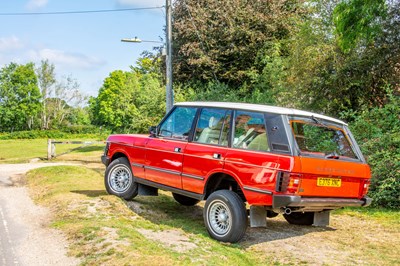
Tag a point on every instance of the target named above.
point(86, 47)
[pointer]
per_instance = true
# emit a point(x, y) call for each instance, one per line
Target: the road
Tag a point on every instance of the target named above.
point(25, 236)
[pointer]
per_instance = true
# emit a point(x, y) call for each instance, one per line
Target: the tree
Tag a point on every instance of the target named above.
point(19, 97)
point(358, 21)
point(114, 107)
point(67, 97)
point(220, 40)
point(131, 101)
point(47, 80)
point(324, 78)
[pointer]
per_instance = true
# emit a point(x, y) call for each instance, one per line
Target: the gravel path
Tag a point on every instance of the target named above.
point(25, 236)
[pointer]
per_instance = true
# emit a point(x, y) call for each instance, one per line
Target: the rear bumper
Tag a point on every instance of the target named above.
point(279, 201)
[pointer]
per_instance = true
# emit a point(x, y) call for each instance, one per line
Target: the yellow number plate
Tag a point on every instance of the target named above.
point(329, 182)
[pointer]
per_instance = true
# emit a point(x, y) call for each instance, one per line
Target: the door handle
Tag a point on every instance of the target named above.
point(217, 156)
point(177, 149)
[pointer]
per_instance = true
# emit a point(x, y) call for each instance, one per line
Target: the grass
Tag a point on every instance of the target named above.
point(384, 216)
point(105, 230)
point(22, 150)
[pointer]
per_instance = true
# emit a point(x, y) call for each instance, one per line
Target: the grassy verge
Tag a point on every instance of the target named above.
point(105, 230)
point(387, 217)
point(23, 150)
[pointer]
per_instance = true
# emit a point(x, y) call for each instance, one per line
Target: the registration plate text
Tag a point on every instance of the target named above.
point(329, 182)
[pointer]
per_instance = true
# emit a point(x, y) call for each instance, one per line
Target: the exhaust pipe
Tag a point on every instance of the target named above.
point(287, 211)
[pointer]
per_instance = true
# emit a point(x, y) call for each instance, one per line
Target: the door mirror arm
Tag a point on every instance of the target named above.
point(153, 130)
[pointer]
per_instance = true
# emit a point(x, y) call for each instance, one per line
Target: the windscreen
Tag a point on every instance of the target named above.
point(316, 138)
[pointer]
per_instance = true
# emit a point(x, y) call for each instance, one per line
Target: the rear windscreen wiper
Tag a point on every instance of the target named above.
point(332, 155)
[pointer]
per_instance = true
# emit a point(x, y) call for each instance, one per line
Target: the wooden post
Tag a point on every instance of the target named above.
point(49, 148)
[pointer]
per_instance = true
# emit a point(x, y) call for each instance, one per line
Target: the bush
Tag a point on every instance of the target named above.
point(73, 133)
point(378, 133)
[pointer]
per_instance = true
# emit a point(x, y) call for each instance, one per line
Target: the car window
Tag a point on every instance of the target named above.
point(321, 140)
point(178, 123)
point(213, 126)
point(250, 131)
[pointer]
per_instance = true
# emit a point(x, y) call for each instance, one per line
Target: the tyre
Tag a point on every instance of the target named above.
point(118, 179)
point(225, 216)
point(186, 201)
point(300, 218)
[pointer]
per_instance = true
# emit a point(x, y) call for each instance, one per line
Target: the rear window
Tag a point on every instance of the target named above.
point(315, 138)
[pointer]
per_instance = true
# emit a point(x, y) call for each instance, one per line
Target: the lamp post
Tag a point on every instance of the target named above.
point(169, 89)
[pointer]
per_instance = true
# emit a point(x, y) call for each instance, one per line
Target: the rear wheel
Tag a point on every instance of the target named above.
point(225, 216)
point(118, 179)
point(186, 201)
point(300, 218)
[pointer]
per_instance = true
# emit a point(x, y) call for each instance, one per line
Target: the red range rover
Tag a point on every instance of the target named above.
point(236, 156)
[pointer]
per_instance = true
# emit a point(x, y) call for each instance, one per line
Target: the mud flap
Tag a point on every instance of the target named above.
point(321, 218)
point(258, 216)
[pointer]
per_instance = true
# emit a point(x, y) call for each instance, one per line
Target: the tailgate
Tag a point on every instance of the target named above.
point(330, 177)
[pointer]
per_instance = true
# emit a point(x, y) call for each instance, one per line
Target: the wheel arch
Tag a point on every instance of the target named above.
point(117, 155)
point(222, 180)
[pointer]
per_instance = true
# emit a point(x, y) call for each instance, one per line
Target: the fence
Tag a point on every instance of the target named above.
point(51, 147)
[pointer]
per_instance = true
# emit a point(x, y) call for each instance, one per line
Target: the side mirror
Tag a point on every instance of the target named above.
point(153, 131)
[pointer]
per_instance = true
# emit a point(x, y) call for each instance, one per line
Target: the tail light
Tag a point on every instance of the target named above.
point(364, 186)
point(287, 182)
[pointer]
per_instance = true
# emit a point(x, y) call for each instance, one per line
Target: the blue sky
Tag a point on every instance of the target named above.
point(86, 47)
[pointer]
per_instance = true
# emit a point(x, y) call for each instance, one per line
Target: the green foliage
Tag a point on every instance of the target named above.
point(73, 132)
point(358, 21)
point(322, 78)
point(129, 102)
point(46, 79)
point(216, 91)
point(221, 40)
point(19, 97)
point(378, 133)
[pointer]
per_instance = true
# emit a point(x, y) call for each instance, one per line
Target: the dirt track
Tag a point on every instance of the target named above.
point(25, 237)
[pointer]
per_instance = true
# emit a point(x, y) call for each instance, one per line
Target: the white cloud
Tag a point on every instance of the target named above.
point(10, 43)
point(66, 60)
point(34, 4)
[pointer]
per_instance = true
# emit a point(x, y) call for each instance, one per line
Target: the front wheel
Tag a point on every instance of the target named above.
point(300, 218)
point(225, 216)
point(118, 179)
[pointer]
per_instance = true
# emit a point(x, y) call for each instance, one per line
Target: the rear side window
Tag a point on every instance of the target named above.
point(178, 123)
point(250, 131)
point(213, 126)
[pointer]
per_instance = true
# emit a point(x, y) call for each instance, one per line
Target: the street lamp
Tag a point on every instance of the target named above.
point(137, 40)
point(168, 61)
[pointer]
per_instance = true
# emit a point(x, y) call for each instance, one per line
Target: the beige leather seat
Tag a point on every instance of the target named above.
point(210, 134)
point(259, 143)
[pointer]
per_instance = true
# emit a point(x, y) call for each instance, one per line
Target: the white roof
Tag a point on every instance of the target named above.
point(261, 108)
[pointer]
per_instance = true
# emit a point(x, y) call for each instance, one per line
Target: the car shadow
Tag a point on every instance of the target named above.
point(84, 149)
point(91, 193)
point(163, 210)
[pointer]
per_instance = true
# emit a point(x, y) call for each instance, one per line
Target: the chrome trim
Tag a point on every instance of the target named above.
point(138, 165)
point(193, 177)
point(162, 170)
point(258, 190)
